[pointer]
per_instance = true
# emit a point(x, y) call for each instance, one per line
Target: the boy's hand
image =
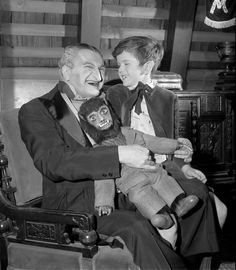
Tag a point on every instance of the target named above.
point(190, 172)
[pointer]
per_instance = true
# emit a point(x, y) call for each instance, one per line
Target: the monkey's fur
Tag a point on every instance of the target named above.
point(91, 105)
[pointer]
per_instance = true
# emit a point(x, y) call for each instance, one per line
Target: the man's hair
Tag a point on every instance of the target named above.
point(70, 52)
point(143, 48)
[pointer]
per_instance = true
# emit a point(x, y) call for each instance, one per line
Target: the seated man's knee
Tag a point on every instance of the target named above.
point(222, 214)
point(196, 187)
point(221, 209)
point(135, 224)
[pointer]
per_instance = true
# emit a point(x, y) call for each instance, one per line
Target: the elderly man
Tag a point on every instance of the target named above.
point(63, 154)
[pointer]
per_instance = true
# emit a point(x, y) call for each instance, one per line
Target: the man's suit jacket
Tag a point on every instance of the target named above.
point(62, 154)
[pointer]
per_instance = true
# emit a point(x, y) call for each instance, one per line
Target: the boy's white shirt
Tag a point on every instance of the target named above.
point(143, 123)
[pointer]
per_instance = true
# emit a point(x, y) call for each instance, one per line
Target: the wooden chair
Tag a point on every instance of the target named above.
point(35, 238)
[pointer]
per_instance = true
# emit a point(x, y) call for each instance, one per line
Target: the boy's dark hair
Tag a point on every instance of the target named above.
point(143, 48)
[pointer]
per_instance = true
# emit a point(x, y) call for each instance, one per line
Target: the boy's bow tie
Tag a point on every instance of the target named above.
point(138, 93)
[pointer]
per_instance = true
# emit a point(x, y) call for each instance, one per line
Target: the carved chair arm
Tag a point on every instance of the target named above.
point(84, 221)
point(44, 225)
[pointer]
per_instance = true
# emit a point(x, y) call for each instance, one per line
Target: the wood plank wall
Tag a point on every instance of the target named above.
point(34, 32)
point(123, 18)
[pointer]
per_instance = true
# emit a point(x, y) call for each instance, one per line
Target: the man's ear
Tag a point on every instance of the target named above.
point(147, 67)
point(66, 72)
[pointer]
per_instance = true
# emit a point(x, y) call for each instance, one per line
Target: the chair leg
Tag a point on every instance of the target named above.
point(3, 253)
point(206, 263)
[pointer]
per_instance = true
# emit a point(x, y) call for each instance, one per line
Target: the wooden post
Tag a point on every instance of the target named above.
point(1, 88)
point(179, 36)
point(91, 12)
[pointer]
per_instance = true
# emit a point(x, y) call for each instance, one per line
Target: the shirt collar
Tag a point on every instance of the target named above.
point(69, 90)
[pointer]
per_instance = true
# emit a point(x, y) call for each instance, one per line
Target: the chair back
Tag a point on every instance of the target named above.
point(25, 177)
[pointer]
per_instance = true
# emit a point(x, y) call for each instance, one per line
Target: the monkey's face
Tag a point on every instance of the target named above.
point(101, 119)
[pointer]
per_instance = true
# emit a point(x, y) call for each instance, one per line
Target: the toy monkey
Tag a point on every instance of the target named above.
point(154, 193)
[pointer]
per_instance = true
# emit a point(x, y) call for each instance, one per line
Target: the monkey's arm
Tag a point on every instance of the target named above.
point(157, 145)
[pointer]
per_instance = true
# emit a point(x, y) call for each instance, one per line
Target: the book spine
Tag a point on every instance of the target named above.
point(170, 85)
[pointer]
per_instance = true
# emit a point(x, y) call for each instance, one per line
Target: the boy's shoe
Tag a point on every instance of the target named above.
point(162, 221)
point(182, 206)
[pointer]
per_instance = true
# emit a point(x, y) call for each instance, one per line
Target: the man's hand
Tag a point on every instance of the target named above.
point(190, 172)
point(186, 150)
point(135, 156)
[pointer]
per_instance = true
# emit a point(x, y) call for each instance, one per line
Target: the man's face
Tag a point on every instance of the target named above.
point(87, 74)
point(101, 119)
point(130, 71)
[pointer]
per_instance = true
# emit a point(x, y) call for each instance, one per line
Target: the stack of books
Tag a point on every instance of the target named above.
point(168, 80)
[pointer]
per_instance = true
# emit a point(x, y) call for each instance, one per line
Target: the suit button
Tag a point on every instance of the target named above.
point(110, 174)
point(104, 175)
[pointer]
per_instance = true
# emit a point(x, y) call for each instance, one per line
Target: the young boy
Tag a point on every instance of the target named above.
point(154, 193)
point(154, 111)
point(150, 109)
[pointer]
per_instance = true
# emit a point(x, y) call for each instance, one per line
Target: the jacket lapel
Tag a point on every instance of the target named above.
point(71, 124)
point(128, 105)
point(61, 112)
point(156, 121)
point(125, 115)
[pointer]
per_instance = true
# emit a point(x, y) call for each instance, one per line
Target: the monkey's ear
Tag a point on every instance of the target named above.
point(105, 101)
point(102, 97)
point(81, 116)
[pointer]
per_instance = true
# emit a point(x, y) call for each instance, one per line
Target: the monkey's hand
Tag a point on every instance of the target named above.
point(104, 210)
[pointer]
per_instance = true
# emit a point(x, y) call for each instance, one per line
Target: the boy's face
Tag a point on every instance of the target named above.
point(130, 71)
